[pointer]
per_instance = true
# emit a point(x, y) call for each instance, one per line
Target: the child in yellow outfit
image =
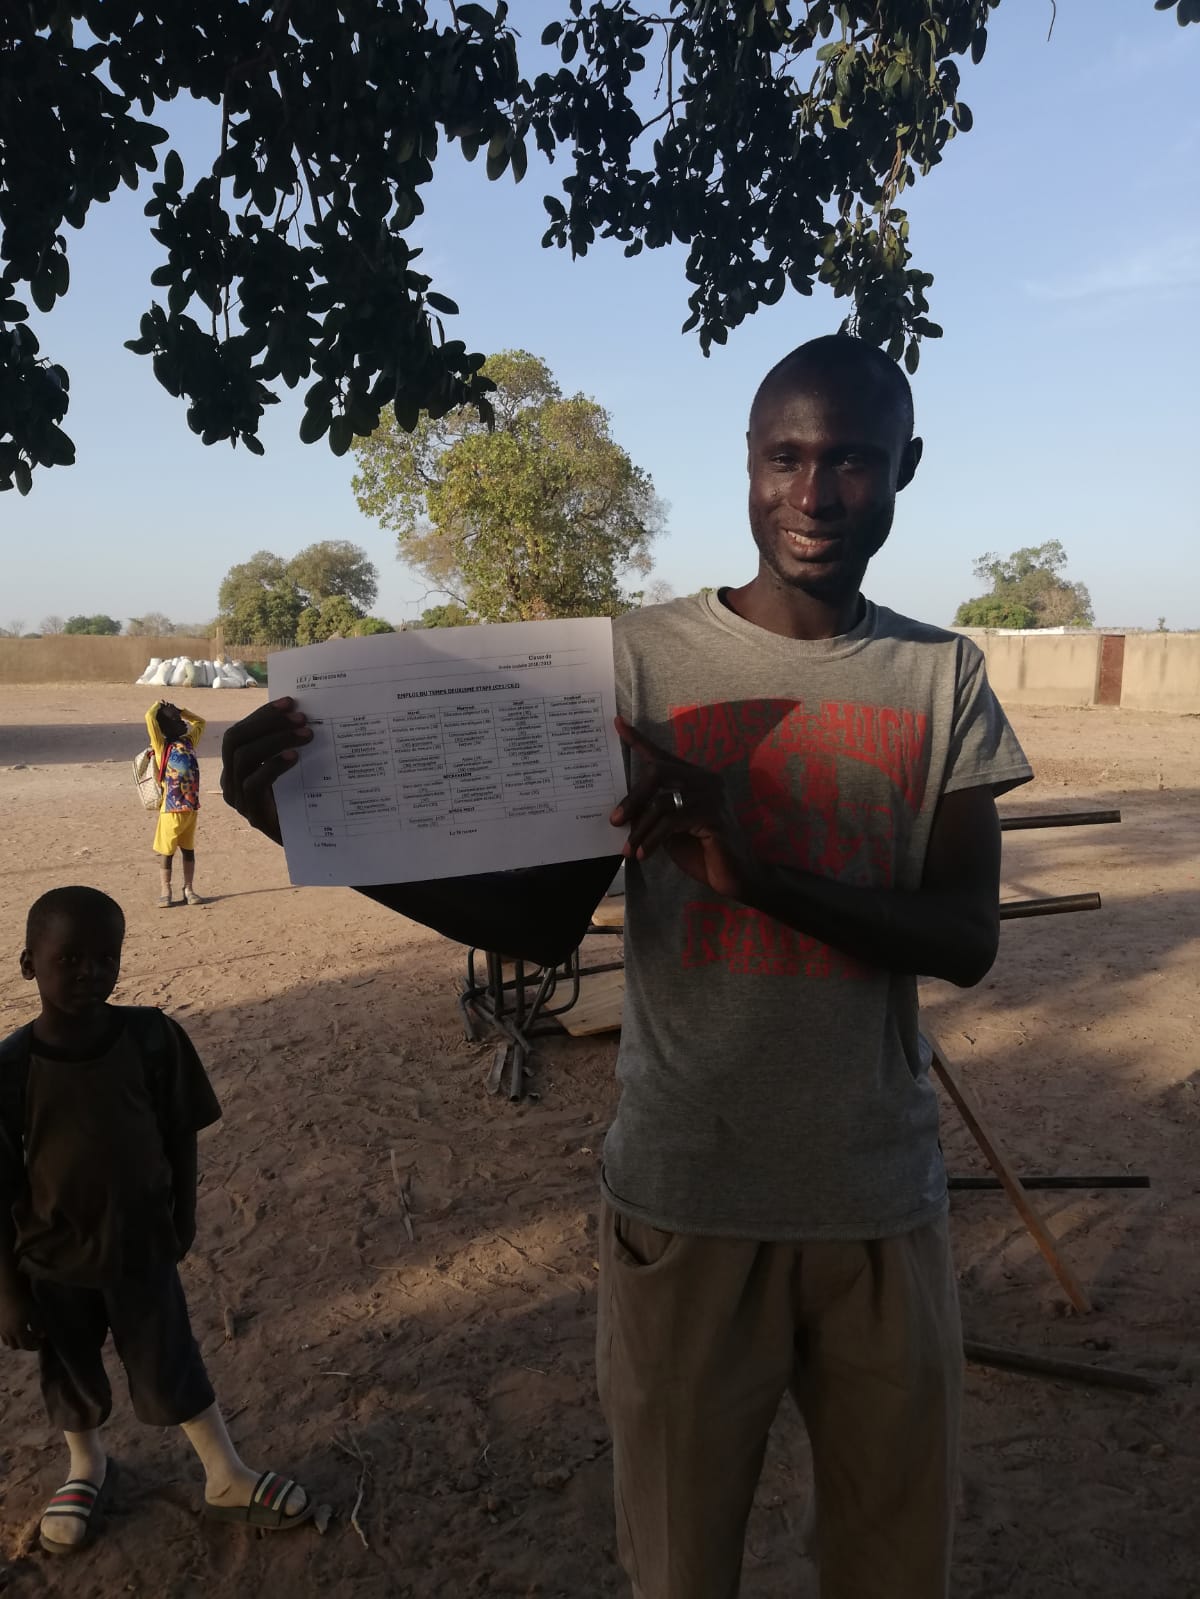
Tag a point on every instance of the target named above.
point(174, 734)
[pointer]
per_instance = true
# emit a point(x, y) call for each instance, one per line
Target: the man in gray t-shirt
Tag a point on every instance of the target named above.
point(811, 824)
point(772, 1084)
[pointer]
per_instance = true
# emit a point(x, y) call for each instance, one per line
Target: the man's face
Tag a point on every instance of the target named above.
point(75, 964)
point(826, 460)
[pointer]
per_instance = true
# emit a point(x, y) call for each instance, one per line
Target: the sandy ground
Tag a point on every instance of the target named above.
point(450, 1378)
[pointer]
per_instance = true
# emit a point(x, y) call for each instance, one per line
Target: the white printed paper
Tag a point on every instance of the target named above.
point(443, 752)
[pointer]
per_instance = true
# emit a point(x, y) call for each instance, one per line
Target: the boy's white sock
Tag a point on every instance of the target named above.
point(227, 1479)
point(88, 1464)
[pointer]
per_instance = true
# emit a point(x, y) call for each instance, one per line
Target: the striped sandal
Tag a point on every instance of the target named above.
point(266, 1507)
point(78, 1500)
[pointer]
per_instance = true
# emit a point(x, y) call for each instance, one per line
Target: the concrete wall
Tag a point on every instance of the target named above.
point(1162, 672)
point(1041, 669)
point(81, 658)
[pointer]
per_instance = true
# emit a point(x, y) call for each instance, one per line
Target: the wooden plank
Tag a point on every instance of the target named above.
point(598, 1008)
point(609, 913)
point(1042, 1365)
point(1038, 1231)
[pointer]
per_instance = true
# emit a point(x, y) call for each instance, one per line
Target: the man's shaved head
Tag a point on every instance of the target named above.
point(840, 360)
point(830, 446)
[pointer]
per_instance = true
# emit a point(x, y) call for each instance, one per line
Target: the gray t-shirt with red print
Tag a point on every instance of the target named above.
point(771, 1087)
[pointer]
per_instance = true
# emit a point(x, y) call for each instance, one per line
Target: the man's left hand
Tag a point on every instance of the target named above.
point(686, 810)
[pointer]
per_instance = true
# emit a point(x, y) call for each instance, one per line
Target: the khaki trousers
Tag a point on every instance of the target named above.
point(698, 1340)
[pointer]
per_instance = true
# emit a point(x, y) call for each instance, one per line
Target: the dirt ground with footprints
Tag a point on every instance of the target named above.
point(438, 1391)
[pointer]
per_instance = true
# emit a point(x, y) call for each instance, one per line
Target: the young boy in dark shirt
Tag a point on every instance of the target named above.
point(99, 1110)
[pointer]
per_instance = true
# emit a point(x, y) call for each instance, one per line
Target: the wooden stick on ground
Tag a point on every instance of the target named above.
point(402, 1191)
point(1066, 1370)
point(350, 1447)
point(1040, 1233)
point(1055, 1180)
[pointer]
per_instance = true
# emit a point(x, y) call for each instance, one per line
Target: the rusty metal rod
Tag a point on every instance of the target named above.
point(1063, 1370)
point(1052, 905)
point(1019, 824)
point(1057, 1180)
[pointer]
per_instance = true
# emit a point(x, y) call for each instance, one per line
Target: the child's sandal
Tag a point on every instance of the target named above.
point(267, 1507)
point(165, 902)
point(80, 1501)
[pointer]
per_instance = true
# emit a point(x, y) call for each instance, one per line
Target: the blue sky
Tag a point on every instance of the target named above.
point(1064, 235)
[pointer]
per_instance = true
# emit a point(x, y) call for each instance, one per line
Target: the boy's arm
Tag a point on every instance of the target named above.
point(19, 1327)
point(187, 1104)
point(181, 1153)
point(157, 742)
point(195, 724)
point(18, 1320)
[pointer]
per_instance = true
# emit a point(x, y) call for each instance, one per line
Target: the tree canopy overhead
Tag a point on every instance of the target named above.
point(1029, 589)
point(540, 515)
point(773, 138)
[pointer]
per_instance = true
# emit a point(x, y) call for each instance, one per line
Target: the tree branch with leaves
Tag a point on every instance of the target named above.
point(773, 139)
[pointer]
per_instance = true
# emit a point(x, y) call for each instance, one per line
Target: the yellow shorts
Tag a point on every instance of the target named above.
point(175, 830)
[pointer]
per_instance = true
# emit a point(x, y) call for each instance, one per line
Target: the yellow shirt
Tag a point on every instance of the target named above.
point(195, 730)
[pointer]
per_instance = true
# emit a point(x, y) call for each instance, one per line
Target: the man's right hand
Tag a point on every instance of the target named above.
point(256, 751)
point(20, 1326)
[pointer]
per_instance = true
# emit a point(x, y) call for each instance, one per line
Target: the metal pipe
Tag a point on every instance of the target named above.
point(1053, 905)
point(1058, 1180)
point(1019, 824)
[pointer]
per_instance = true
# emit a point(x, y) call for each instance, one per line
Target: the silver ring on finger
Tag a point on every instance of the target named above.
point(676, 799)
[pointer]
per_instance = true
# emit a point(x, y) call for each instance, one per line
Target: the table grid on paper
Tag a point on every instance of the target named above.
point(445, 767)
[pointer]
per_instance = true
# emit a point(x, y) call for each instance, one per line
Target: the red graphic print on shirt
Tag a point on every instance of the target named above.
point(788, 801)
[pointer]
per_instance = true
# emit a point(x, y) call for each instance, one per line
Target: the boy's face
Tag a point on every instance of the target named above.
point(75, 964)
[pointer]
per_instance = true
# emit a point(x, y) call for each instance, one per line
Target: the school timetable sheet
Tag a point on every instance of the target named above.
point(442, 752)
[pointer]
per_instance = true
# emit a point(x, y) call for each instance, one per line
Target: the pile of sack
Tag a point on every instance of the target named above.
point(180, 671)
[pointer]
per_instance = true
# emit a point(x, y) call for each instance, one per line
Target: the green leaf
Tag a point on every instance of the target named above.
point(314, 424)
point(479, 19)
point(341, 435)
point(552, 34)
point(23, 477)
point(173, 171)
point(912, 356)
point(441, 303)
point(963, 119)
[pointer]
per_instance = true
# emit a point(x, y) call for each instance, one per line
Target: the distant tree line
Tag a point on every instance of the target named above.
point(325, 591)
point(1029, 589)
